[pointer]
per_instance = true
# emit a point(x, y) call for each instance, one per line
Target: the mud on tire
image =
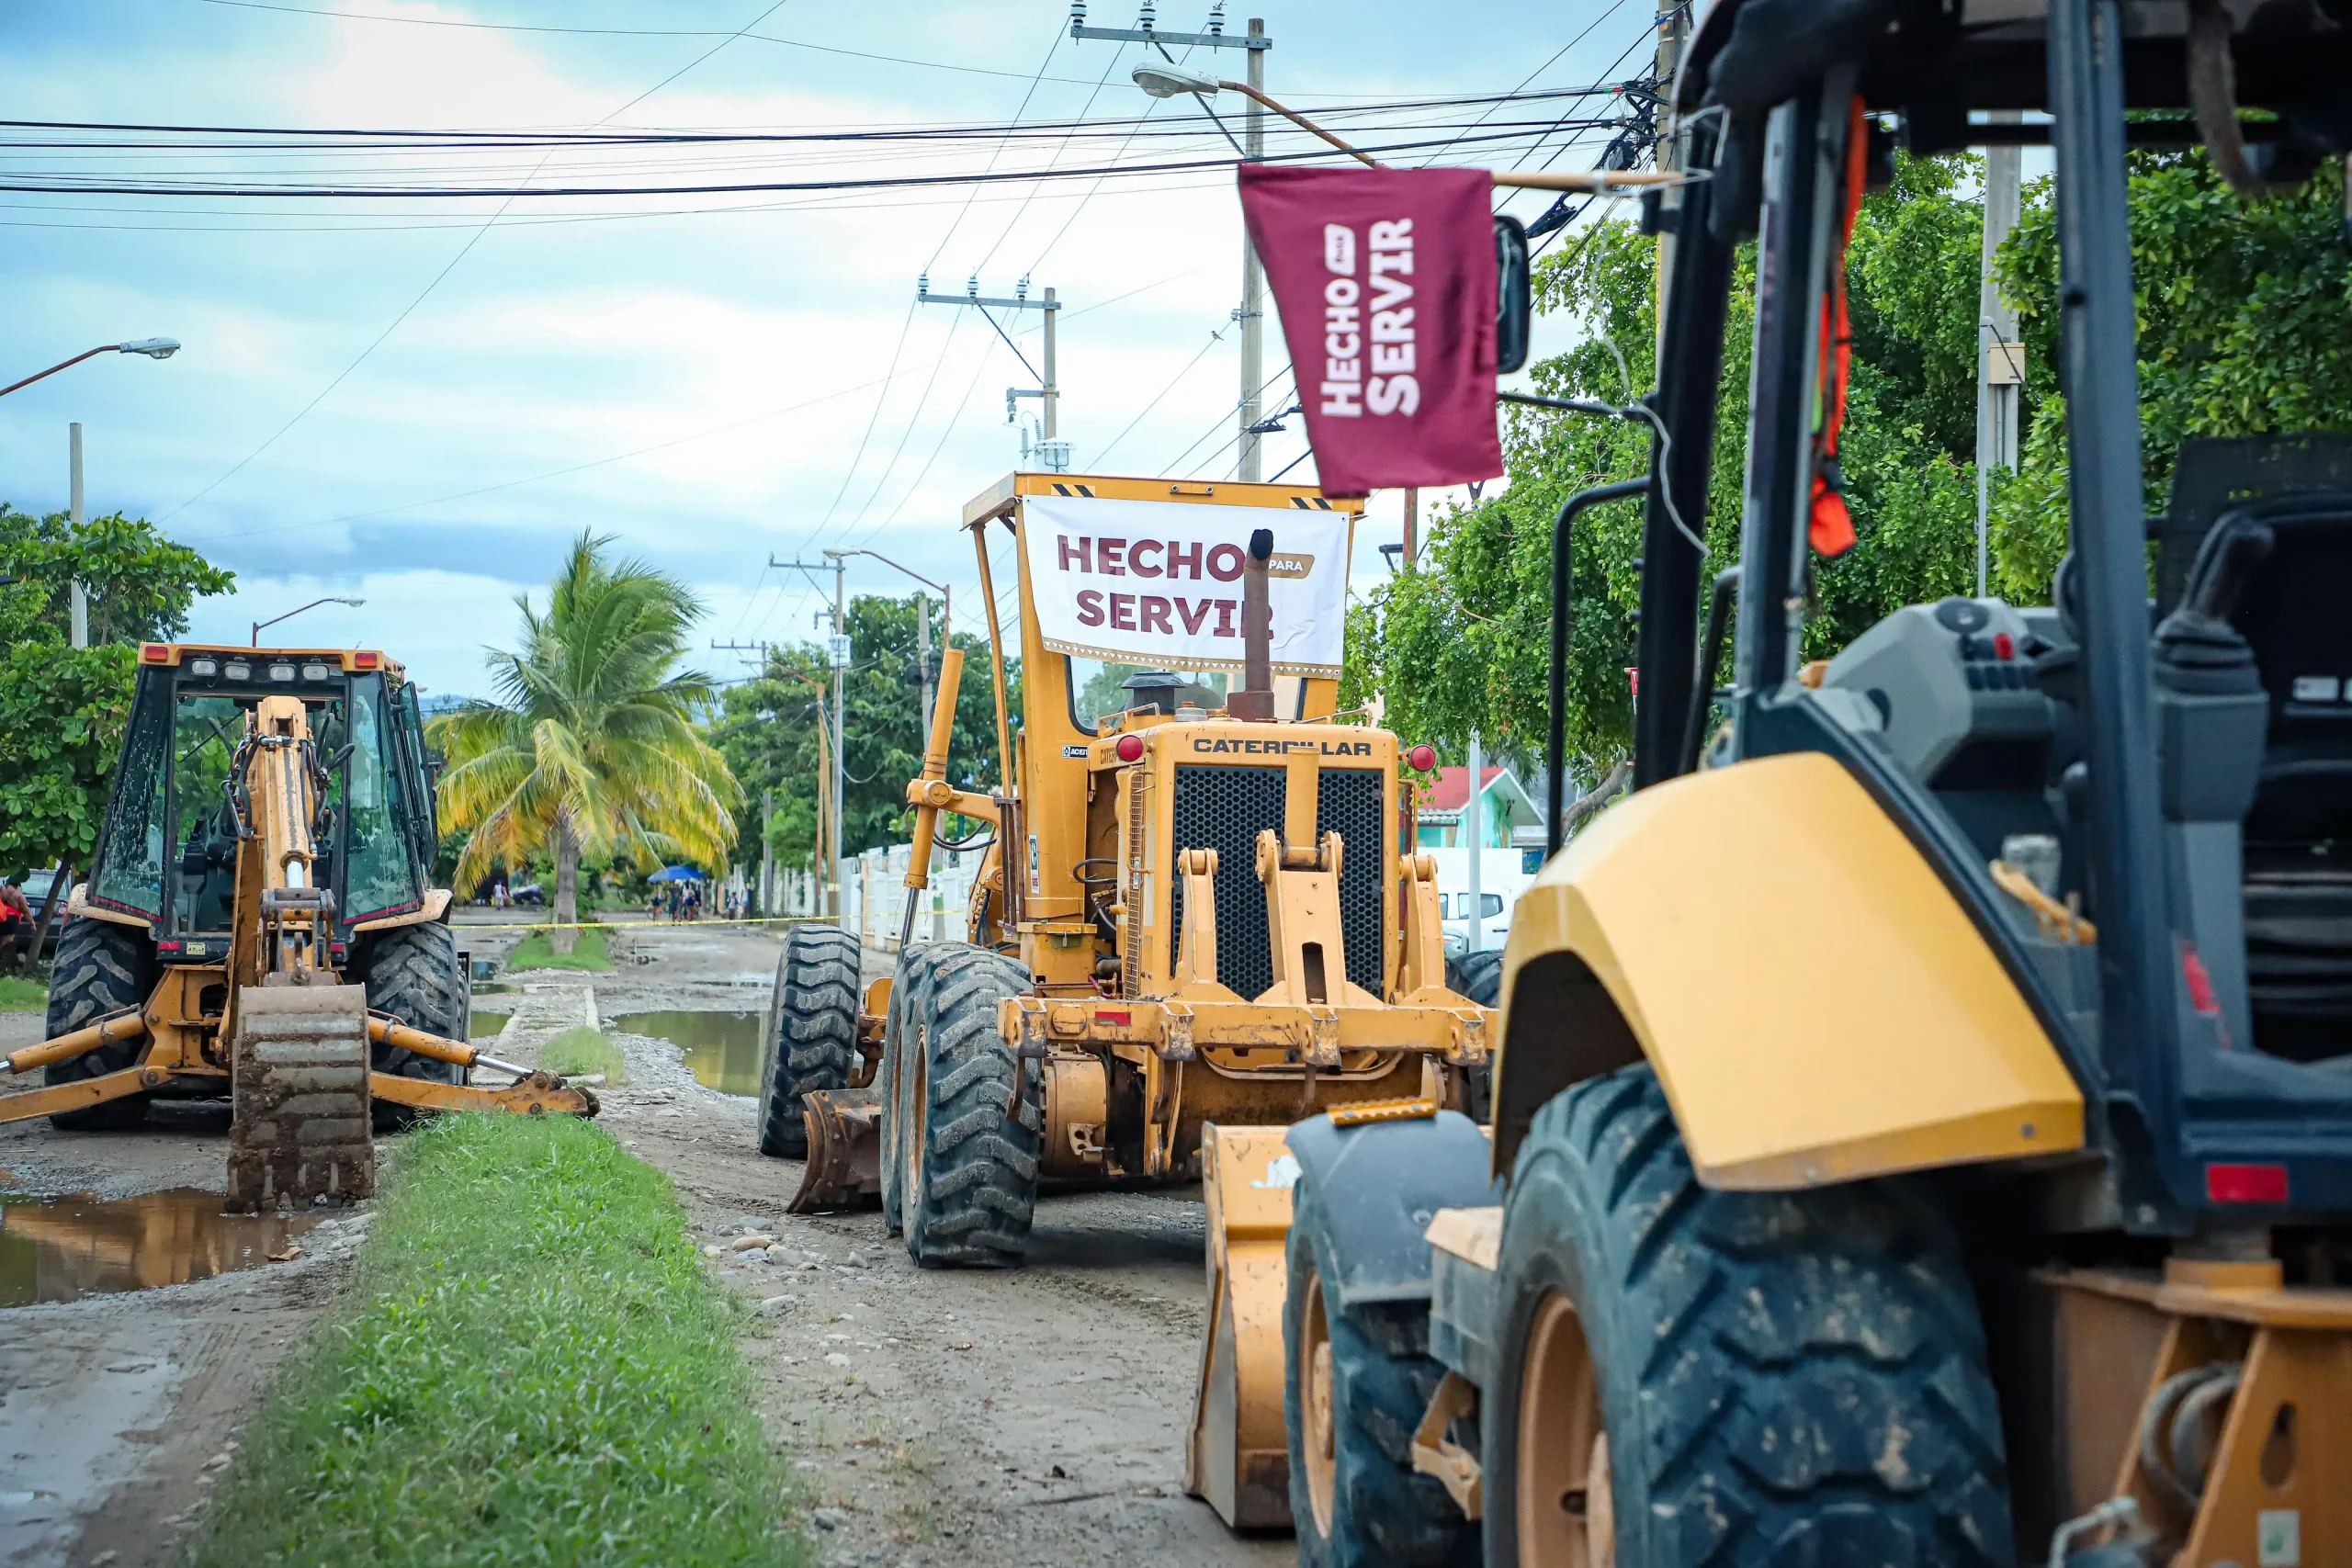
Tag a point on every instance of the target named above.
point(810, 1033)
point(910, 990)
point(1362, 1505)
point(412, 973)
point(100, 968)
point(1784, 1376)
point(969, 1146)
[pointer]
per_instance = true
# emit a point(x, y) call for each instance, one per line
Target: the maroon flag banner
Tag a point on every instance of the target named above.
point(1386, 279)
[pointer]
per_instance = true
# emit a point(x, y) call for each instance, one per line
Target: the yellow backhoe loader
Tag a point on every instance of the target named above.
point(257, 924)
point(1198, 906)
point(1923, 1115)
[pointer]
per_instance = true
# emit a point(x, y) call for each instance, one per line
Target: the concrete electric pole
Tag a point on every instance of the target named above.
point(1054, 452)
point(1253, 311)
point(80, 596)
point(838, 649)
point(2000, 358)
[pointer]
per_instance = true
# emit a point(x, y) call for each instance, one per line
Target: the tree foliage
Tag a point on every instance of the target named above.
point(770, 731)
point(2246, 325)
point(592, 749)
point(63, 708)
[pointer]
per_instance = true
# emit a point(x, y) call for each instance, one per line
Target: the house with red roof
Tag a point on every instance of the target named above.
point(1508, 817)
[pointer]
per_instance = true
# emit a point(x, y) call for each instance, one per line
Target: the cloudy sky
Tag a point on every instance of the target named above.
point(420, 402)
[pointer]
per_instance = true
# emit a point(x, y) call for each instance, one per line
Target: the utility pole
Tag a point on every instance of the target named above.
point(2000, 358)
point(838, 645)
point(79, 596)
point(1252, 313)
point(1673, 33)
point(1053, 452)
point(922, 652)
point(1253, 277)
point(1474, 831)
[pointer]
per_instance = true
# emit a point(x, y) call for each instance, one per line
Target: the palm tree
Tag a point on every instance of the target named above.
point(590, 748)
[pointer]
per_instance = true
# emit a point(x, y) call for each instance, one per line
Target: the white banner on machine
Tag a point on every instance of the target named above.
point(1159, 583)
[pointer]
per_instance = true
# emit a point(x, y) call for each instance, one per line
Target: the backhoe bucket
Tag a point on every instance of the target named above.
point(298, 1078)
point(844, 1169)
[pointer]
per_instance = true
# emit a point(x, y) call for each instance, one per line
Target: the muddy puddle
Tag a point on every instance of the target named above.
point(722, 1048)
point(60, 1250)
point(482, 1022)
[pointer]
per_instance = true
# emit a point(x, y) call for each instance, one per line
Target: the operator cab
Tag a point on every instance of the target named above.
point(168, 850)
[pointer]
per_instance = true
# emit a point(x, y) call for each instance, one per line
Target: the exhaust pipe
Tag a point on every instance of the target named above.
point(1255, 701)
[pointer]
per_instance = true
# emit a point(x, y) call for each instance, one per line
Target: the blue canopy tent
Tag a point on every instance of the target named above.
point(677, 873)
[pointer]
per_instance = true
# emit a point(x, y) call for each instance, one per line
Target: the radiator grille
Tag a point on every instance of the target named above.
point(1225, 808)
point(1347, 802)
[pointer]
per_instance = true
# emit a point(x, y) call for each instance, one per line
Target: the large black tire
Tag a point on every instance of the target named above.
point(1783, 1377)
point(100, 968)
point(811, 1033)
point(969, 1150)
point(414, 974)
point(1356, 1501)
point(910, 992)
point(1479, 976)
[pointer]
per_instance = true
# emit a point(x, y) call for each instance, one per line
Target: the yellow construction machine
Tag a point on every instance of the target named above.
point(1199, 906)
point(257, 924)
point(1924, 1109)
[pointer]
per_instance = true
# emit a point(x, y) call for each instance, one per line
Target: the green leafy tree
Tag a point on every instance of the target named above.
point(592, 749)
point(770, 729)
point(2246, 325)
point(63, 708)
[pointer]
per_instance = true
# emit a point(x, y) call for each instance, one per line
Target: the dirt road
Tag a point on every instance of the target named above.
point(1035, 1417)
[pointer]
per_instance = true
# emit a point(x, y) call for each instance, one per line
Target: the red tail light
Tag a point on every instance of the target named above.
point(154, 653)
point(2246, 1184)
point(363, 660)
point(1130, 748)
point(1421, 759)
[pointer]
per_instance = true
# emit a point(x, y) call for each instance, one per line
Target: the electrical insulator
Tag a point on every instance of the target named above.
point(1217, 19)
point(1021, 290)
point(972, 286)
point(1144, 21)
point(923, 284)
point(1076, 12)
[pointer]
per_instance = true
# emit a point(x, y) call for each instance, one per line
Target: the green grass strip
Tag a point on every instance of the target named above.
point(537, 951)
point(576, 1051)
point(532, 1367)
point(20, 995)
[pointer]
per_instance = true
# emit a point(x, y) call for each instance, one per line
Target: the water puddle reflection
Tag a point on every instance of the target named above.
point(722, 1048)
point(60, 1250)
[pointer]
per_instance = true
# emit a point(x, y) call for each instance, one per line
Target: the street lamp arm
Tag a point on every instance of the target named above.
point(61, 364)
point(259, 626)
point(946, 595)
point(152, 347)
point(1300, 121)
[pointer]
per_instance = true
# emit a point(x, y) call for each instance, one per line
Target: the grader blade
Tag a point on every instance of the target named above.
point(299, 1078)
point(844, 1169)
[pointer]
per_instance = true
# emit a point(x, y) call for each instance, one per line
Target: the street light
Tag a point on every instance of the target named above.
point(330, 599)
point(152, 347)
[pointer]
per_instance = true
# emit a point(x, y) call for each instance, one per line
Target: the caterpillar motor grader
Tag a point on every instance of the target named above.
point(257, 923)
point(1922, 1114)
point(1197, 907)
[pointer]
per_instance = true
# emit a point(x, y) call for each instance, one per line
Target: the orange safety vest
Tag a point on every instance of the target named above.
point(1830, 528)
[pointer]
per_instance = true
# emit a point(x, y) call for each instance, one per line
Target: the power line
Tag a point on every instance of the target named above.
point(463, 251)
point(66, 185)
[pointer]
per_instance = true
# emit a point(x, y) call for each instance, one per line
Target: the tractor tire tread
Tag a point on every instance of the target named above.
point(1808, 1368)
point(99, 968)
point(908, 989)
point(812, 1039)
point(1383, 1513)
point(979, 1165)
